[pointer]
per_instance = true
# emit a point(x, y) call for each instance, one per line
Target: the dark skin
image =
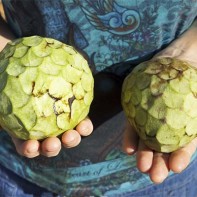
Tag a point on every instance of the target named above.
point(157, 165)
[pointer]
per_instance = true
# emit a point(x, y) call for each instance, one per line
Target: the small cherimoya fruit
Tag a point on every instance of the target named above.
point(159, 98)
point(46, 88)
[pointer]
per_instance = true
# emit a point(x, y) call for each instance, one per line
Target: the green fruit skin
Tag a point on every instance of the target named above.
point(46, 88)
point(159, 98)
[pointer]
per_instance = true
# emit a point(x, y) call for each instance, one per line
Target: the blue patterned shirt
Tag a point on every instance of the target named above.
point(112, 35)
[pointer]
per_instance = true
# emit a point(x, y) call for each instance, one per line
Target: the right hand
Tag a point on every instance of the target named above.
point(51, 146)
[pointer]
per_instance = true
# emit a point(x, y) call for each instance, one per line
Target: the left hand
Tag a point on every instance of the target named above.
point(158, 165)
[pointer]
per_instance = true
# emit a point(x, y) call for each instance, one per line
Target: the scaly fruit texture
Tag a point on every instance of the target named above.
point(159, 98)
point(46, 88)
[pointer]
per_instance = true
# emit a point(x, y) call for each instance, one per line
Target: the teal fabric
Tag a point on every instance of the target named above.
point(105, 31)
point(116, 176)
point(112, 35)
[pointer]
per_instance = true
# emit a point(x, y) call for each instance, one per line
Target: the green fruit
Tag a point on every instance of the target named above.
point(46, 88)
point(159, 98)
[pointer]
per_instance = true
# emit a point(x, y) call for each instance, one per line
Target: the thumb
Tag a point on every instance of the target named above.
point(130, 139)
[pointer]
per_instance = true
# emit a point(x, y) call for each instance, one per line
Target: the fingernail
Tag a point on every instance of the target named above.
point(130, 150)
point(69, 137)
point(31, 150)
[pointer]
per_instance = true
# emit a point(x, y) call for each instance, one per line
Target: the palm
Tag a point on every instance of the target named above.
point(156, 164)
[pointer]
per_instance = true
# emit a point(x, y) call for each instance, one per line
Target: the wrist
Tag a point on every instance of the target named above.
point(187, 42)
point(184, 47)
point(3, 42)
point(5, 34)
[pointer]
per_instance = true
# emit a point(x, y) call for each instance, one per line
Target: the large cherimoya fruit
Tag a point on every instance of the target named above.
point(159, 98)
point(46, 88)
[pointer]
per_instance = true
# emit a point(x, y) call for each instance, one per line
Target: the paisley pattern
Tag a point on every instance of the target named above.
point(113, 35)
point(109, 16)
point(106, 32)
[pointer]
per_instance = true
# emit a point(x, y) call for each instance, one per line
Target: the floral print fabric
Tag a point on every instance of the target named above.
point(112, 35)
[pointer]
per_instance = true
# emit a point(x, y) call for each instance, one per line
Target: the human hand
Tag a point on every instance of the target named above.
point(51, 146)
point(157, 165)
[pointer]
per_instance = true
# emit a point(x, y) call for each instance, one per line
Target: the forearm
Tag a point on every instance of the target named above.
point(5, 34)
point(184, 47)
point(188, 40)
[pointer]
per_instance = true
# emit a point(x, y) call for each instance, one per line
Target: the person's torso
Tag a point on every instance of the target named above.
point(107, 32)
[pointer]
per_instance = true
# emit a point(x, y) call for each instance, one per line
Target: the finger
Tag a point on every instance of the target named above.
point(85, 127)
point(130, 139)
point(160, 169)
point(144, 157)
point(29, 148)
point(180, 159)
point(51, 147)
point(71, 138)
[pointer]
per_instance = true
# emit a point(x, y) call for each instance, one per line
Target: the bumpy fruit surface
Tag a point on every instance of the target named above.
point(46, 88)
point(159, 98)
